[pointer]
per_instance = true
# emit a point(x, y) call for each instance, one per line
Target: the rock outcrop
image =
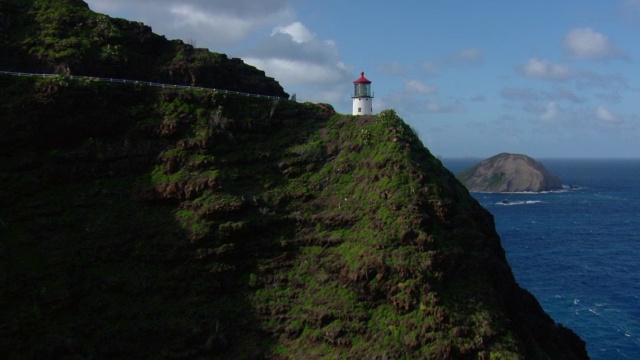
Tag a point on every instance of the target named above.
point(140, 222)
point(509, 173)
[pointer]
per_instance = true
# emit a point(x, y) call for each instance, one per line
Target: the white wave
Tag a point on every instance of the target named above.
point(512, 203)
point(563, 190)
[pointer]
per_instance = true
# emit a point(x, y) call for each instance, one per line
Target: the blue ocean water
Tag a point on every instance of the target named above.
point(578, 250)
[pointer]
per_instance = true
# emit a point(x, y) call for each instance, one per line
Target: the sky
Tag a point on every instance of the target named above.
point(549, 79)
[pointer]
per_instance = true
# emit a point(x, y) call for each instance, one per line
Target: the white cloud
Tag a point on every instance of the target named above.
point(215, 24)
point(298, 32)
point(469, 56)
point(551, 113)
point(543, 69)
point(603, 114)
point(237, 8)
point(315, 82)
point(546, 105)
point(418, 87)
point(232, 29)
point(187, 15)
point(302, 63)
point(299, 72)
point(586, 43)
point(433, 106)
point(102, 6)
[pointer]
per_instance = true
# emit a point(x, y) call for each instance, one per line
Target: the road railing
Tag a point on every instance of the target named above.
point(141, 82)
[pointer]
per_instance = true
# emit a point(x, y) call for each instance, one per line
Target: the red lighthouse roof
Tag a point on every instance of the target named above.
point(362, 79)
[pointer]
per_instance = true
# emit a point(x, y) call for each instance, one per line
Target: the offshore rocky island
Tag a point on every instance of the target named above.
point(509, 173)
point(140, 222)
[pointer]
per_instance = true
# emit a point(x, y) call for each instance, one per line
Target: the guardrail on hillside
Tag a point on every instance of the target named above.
point(149, 83)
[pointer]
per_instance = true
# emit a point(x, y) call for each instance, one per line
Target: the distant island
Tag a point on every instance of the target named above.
point(509, 173)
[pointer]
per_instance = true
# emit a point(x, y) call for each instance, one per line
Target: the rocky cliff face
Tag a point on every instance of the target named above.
point(509, 173)
point(139, 222)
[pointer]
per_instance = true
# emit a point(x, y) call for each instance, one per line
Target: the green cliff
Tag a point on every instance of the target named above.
point(66, 37)
point(139, 222)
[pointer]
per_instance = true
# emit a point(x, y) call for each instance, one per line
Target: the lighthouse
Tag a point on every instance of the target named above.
point(362, 96)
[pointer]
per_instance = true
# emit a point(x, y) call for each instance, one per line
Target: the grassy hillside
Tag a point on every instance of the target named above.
point(207, 224)
point(66, 37)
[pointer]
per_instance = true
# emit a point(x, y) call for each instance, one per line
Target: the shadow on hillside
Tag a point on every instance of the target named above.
point(89, 270)
point(92, 268)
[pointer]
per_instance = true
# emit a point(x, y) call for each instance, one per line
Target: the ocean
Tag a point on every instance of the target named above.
point(578, 250)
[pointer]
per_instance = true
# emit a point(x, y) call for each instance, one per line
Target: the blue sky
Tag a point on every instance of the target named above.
point(550, 79)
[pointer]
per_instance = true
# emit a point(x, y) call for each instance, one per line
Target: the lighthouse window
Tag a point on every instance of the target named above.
point(359, 109)
point(362, 90)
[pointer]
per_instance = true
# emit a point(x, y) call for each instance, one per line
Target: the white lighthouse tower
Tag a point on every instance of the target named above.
point(362, 96)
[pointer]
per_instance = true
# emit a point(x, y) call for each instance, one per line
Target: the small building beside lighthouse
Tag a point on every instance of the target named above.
point(362, 96)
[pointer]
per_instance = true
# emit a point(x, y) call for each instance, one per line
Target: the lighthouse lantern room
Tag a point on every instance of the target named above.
point(362, 96)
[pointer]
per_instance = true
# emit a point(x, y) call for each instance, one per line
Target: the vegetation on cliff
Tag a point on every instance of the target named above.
point(66, 37)
point(236, 227)
point(509, 173)
point(140, 223)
